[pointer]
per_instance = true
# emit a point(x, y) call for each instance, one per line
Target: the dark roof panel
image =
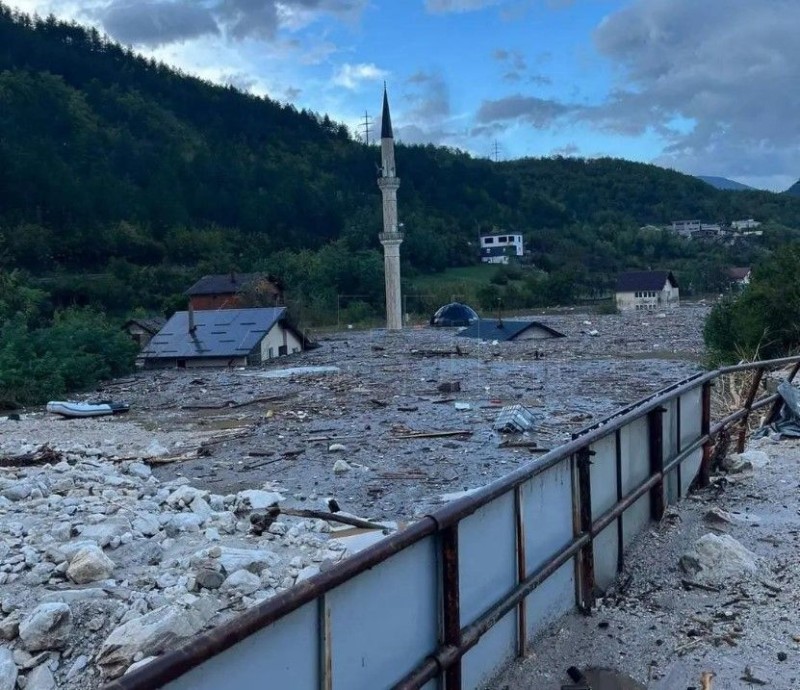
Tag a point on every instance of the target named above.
point(492, 329)
point(644, 280)
point(240, 337)
point(224, 284)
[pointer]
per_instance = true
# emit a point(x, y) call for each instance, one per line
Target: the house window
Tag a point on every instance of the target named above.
point(271, 353)
point(488, 240)
point(282, 351)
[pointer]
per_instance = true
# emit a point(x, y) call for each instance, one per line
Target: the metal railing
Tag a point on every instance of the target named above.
point(448, 600)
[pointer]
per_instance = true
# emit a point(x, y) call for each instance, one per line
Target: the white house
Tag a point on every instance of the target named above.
point(748, 224)
point(647, 291)
point(686, 228)
point(497, 247)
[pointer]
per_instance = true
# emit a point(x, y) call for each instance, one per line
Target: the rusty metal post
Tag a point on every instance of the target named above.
point(705, 427)
point(655, 434)
point(451, 601)
point(748, 404)
point(587, 581)
point(325, 654)
point(620, 526)
point(522, 572)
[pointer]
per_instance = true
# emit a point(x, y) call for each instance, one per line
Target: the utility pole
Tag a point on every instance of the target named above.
point(366, 126)
point(496, 151)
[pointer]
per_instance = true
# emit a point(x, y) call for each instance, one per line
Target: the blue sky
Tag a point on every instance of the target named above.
point(702, 86)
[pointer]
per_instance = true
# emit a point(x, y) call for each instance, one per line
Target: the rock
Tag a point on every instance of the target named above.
point(719, 558)
point(155, 449)
point(147, 525)
point(201, 508)
point(241, 582)
point(185, 495)
point(340, 467)
point(8, 670)
point(103, 532)
point(9, 628)
point(209, 578)
point(717, 516)
point(337, 448)
point(41, 678)
point(750, 459)
point(254, 499)
point(183, 522)
point(17, 491)
point(307, 572)
point(69, 596)
point(77, 667)
point(463, 406)
point(138, 469)
point(254, 560)
point(89, 565)
point(139, 664)
point(147, 635)
point(48, 626)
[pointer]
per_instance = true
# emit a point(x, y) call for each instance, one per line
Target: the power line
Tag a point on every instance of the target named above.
point(496, 151)
point(366, 125)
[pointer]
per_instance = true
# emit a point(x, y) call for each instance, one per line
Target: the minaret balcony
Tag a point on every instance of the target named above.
point(391, 236)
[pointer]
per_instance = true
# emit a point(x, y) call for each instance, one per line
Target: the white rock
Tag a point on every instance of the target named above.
point(463, 406)
point(254, 560)
point(183, 522)
point(90, 564)
point(139, 664)
point(104, 531)
point(201, 508)
point(185, 494)
point(138, 469)
point(718, 558)
point(41, 678)
point(77, 667)
point(147, 635)
point(8, 670)
point(147, 524)
point(155, 449)
point(307, 572)
point(337, 448)
point(48, 626)
point(340, 467)
point(242, 582)
point(257, 500)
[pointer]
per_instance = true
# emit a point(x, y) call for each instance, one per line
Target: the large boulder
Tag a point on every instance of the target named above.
point(41, 678)
point(719, 558)
point(147, 635)
point(48, 626)
point(255, 499)
point(8, 670)
point(242, 582)
point(90, 564)
point(231, 559)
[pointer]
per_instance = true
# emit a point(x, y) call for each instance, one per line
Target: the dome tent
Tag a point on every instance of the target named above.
point(453, 315)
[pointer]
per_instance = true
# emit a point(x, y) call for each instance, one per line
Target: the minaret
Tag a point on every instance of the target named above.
point(391, 237)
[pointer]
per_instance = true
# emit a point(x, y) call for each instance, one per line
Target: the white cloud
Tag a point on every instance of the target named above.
point(446, 6)
point(353, 76)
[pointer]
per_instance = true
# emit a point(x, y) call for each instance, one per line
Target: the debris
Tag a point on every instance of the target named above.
point(706, 679)
point(782, 656)
point(719, 557)
point(514, 419)
point(463, 406)
point(379, 403)
point(41, 456)
point(594, 333)
point(410, 408)
point(717, 516)
point(458, 352)
point(293, 371)
point(337, 448)
point(332, 517)
point(691, 584)
point(341, 466)
point(449, 387)
point(432, 434)
point(748, 677)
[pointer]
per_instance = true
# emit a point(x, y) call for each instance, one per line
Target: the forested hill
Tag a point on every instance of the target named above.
point(113, 165)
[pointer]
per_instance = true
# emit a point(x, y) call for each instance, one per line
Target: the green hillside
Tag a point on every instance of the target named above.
point(122, 181)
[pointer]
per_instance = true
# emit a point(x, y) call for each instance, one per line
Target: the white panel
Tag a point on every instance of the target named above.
point(495, 648)
point(670, 448)
point(603, 476)
point(691, 416)
point(487, 557)
point(551, 600)
point(635, 455)
point(547, 513)
point(605, 556)
point(395, 601)
point(284, 655)
point(635, 519)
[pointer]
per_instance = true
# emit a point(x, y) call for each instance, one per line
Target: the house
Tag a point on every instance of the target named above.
point(142, 330)
point(739, 276)
point(747, 224)
point(686, 228)
point(646, 291)
point(497, 247)
point(234, 291)
point(223, 337)
point(494, 329)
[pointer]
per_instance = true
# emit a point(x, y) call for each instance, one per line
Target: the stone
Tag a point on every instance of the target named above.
point(340, 467)
point(201, 508)
point(209, 578)
point(241, 582)
point(48, 626)
point(77, 667)
point(147, 635)
point(138, 469)
point(103, 532)
point(719, 558)
point(185, 495)
point(155, 449)
point(749, 460)
point(69, 596)
point(337, 448)
point(183, 522)
point(17, 491)
point(9, 628)
point(41, 678)
point(254, 560)
point(255, 499)
point(146, 524)
point(8, 670)
point(90, 564)
point(137, 665)
point(307, 572)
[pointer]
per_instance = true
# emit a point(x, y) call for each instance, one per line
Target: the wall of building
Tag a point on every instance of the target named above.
point(195, 362)
point(648, 300)
point(209, 302)
point(278, 337)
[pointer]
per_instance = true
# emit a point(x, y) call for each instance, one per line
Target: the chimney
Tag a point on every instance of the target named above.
point(192, 325)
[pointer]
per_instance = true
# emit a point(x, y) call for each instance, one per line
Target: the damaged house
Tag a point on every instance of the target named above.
point(223, 337)
point(235, 291)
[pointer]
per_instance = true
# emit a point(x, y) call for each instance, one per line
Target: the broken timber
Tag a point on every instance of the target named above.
point(432, 434)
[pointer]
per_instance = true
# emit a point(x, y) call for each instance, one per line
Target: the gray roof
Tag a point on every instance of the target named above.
point(224, 284)
point(492, 329)
point(218, 333)
point(644, 280)
point(151, 324)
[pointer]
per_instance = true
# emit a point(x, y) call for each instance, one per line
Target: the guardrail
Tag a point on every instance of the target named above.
point(449, 600)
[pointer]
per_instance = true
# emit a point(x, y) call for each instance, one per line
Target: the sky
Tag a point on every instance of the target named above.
point(701, 86)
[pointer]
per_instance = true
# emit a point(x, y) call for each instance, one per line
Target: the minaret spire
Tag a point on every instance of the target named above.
point(391, 238)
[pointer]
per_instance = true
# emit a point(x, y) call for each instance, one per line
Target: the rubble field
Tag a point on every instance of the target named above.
point(121, 536)
point(709, 594)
